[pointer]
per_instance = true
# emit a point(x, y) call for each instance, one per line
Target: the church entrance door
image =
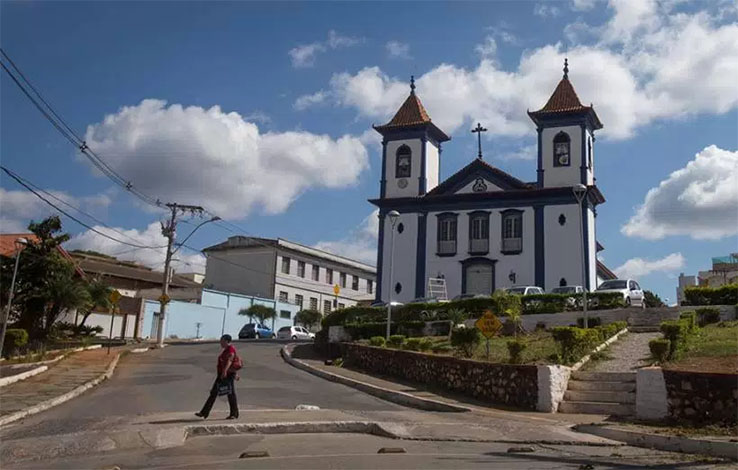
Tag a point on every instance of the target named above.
point(479, 278)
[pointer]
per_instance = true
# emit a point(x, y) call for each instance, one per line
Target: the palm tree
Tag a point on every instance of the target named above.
point(99, 297)
point(260, 312)
point(63, 294)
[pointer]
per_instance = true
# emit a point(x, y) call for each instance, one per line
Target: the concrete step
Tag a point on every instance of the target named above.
point(644, 329)
point(604, 376)
point(596, 408)
point(600, 396)
point(602, 386)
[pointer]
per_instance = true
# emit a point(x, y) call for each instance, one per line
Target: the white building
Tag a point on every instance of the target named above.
point(288, 272)
point(483, 229)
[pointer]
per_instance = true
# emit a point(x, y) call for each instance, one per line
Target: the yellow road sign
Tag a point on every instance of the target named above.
point(336, 289)
point(164, 298)
point(489, 324)
point(115, 296)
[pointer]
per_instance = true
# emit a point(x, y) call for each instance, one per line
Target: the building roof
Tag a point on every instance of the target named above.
point(604, 272)
point(481, 168)
point(7, 247)
point(411, 115)
point(248, 242)
point(114, 268)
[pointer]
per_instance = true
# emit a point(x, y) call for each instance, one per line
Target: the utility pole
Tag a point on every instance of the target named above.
point(169, 230)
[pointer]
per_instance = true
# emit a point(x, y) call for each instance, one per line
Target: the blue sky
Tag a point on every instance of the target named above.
point(307, 80)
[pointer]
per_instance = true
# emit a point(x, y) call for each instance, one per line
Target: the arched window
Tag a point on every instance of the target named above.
point(562, 149)
point(512, 231)
point(589, 153)
point(402, 163)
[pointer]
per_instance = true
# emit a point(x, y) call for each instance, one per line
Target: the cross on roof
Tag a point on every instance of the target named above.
point(478, 130)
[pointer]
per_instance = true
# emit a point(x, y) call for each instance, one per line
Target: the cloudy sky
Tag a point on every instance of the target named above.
point(262, 113)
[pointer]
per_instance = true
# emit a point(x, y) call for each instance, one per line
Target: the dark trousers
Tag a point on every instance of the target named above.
point(232, 401)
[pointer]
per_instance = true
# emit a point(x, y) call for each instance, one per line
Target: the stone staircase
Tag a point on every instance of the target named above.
point(604, 393)
point(647, 321)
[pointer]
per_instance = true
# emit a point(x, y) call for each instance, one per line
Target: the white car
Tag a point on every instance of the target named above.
point(294, 332)
point(525, 290)
point(630, 290)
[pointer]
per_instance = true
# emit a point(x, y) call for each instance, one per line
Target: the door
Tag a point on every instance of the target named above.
point(479, 278)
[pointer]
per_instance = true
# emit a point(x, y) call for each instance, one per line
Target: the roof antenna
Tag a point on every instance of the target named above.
point(566, 68)
point(412, 84)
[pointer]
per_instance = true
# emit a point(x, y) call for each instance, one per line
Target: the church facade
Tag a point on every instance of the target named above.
point(482, 229)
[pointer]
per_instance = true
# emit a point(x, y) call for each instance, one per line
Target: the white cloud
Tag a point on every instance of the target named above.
point(194, 155)
point(529, 152)
point(398, 50)
point(360, 245)
point(307, 101)
point(18, 208)
point(183, 261)
point(639, 267)
point(699, 200)
point(546, 10)
point(645, 54)
point(304, 55)
point(580, 5)
point(488, 49)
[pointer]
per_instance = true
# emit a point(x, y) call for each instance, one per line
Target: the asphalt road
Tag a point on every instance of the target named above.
point(179, 377)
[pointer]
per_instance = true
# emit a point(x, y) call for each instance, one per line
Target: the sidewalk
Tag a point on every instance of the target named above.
point(61, 378)
point(628, 354)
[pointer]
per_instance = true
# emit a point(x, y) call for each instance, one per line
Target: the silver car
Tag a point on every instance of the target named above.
point(294, 332)
point(630, 290)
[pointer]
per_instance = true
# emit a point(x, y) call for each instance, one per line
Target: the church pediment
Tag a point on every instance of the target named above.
point(478, 184)
point(478, 177)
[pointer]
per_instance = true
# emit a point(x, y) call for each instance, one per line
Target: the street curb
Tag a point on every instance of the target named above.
point(22, 376)
point(728, 450)
point(310, 427)
point(401, 398)
point(45, 405)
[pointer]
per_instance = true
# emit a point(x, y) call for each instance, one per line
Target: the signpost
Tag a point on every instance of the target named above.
point(114, 299)
point(489, 325)
point(336, 291)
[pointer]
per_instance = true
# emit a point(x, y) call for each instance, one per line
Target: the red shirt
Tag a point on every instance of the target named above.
point(229, 352)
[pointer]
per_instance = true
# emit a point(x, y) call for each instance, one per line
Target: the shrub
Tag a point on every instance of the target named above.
point(707, 315)
point(725, 295)
point(15, 338)
point(592, 322)
point(608, 331)
point(540, 326)
point(465, 340)
point(308, 318)
point(441, 348)
point(690, 317)
point(575, 342)
point(396, 341)
point(412, 344)
point(676, 331)
point(660, 349)
point(377, 341)
point(426, 344)
point(515, 348)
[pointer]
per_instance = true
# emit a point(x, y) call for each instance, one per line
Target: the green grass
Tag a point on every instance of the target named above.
point(716, 340)
point(541, 345)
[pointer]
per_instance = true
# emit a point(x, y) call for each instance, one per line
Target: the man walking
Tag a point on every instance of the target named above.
point(228, 365)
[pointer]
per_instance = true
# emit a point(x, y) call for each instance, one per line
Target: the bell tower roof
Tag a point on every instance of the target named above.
point(565, 102)
point(412, 115)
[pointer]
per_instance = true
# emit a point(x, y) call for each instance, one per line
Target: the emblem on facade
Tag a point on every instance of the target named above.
point(479, 186)
point(402, 183)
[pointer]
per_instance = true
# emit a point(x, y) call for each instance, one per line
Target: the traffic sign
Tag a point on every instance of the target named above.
point(336, 289)
point(115, 296)
point(489, 324)
point(164, 298)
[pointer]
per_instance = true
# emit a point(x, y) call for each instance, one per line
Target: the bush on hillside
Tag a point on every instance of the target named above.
point(659, 348)
point(465, 340)
point(396, 341)
point(707, 315)
point(15, 338)
point(377, 341)
point(691, 318)
point(515, 348)
point(725, 295)
point(575, 342)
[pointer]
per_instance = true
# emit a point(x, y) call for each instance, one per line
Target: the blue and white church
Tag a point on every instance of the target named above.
point(482, 229)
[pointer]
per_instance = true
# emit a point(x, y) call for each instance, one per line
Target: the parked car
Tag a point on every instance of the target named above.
point(567, 290)
point(470, 296)
point(255, 330)
point(294, 332)
point(524, 290)
point(631, 291)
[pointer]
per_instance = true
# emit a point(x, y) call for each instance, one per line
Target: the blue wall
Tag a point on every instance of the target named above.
point(218, 313)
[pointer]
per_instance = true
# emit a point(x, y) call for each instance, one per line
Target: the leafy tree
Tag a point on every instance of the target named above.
point(99, 297)
point(308, 318)
point(653, 300)
point(260, 312)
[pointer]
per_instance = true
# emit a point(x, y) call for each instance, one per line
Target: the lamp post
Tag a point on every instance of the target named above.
point(19, 243)
point(580, 191)
point(393, 216)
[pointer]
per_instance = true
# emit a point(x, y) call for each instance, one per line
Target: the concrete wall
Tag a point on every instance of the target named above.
point(393, 190)
point(552, 384)
point(244, 271)
point(404, 260)
point(566, 175)
point(651, 401)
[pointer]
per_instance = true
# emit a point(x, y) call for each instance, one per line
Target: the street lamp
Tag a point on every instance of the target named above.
point(19, 244)
point(580, 191)
point(393, 216)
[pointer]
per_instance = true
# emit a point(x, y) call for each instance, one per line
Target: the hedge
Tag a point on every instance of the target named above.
point(576, 342)
point(556, 303)
point(368, 330)
point(15, 338)
point(660, 348)
point(725, 295)
point(677, 332)
point(707, 315)
point(465, 340)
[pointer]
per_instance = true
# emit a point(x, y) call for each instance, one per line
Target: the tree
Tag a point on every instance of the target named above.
point(653, 300)
point(308, 318)
point(99, 297)
point(260, 312)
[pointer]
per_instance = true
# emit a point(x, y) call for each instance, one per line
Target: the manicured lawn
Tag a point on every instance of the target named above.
point(541, 345)
point(713, 348)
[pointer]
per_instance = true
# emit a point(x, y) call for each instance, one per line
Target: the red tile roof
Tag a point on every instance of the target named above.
point(410, 113)
point(564, 100)
point(7, 247)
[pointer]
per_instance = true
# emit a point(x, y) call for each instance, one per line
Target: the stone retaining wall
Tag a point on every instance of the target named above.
point(701, 397)
point(513, 385)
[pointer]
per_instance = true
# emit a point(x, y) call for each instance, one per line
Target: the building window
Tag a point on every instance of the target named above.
point(301, 268)
point(479, 233)
point(446, 234)
point(313, 303)
point(398, 288)
point(402, 167)
point(298, 300)
point(328, 276)
point(342, 278)
point(285, 265)
point(283, 296)
point(355, 283)
point(285, 314)
point(369, 286)
point(316, 272)
point(589, 153)
point(340, 305)
point(562, 219)
point(326, 307)
point(562, 149)
point(512, 231)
